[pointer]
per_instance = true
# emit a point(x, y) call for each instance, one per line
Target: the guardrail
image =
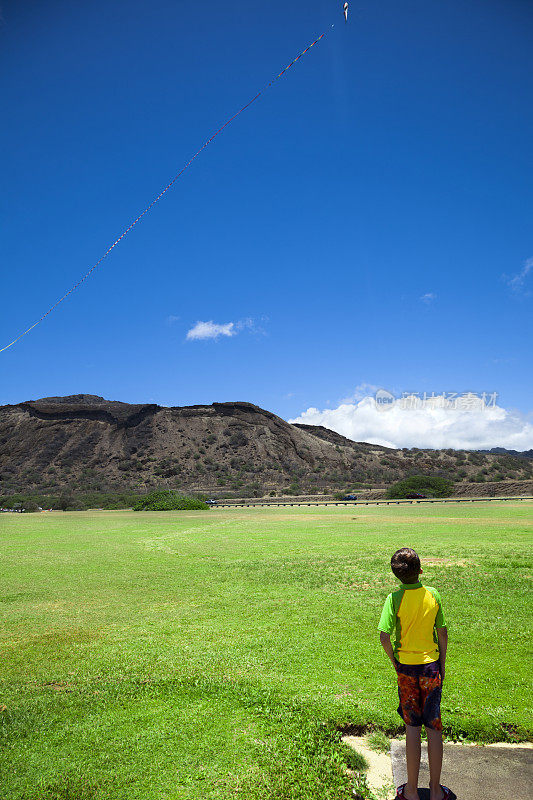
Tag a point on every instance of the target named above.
point(373, 502)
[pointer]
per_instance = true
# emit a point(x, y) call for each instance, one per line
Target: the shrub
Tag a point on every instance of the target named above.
point(294, 489)
point(238, 439)
point(169, 501)
point(425, 484)
point(66, 503)
point(31, 506)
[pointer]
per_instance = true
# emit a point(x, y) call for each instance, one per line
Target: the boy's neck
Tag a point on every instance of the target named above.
point(416, 585)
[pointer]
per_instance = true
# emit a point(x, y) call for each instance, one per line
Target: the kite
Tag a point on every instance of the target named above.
point(165, 190)
point(345, 9)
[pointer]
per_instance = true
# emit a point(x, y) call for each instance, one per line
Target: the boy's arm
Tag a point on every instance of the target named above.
point(384, 638)
point(386, 626)
point(442, 632)
point(442, 635)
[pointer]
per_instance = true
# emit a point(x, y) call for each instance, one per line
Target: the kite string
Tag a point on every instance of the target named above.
point(164, 191)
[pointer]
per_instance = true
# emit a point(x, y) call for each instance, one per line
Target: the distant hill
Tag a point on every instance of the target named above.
point(504, 451)
point(85, 442)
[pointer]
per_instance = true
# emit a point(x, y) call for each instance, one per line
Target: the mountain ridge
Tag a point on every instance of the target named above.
point(87, 442)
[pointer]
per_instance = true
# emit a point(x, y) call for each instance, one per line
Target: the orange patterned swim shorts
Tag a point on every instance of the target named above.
point(419, 689)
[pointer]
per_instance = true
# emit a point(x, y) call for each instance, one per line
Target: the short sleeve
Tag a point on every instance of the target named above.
point(387, 622)
point(440, 622)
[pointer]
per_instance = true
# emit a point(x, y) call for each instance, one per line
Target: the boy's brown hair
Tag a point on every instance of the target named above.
point(405, 564)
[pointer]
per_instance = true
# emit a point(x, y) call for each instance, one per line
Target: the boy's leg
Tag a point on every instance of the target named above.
point(410, 711)
point(435, 763)
point(431, 690)
point(412, 757)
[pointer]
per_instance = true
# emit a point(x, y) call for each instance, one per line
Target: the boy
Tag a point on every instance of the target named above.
point(413, 613)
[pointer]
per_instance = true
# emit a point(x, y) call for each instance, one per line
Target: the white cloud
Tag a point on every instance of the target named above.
point(428, 426)
point(516, 282)
point(213, 330)
point(210, 330)
point(428, 297)
point(171, 319)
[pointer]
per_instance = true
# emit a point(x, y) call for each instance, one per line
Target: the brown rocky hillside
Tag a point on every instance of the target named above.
point(84, 442)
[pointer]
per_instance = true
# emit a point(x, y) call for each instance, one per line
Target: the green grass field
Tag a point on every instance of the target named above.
point(215, 655)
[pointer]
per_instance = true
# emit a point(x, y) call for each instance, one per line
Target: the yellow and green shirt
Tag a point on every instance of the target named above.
point(412, 613)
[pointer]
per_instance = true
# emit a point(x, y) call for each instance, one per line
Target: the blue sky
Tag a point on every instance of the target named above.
point(367, 221)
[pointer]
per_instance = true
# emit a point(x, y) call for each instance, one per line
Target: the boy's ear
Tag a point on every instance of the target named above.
point(421, 571)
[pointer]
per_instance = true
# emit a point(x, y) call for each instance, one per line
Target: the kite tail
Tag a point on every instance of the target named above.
point(162, 192)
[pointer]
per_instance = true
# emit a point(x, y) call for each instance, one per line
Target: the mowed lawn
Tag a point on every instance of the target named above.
point(215, 655)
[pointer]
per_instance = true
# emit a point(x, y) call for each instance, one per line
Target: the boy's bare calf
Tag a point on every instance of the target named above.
point(412, 757)
point(435, 763)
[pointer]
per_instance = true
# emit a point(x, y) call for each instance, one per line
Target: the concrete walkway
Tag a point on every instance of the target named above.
point(494, 772)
